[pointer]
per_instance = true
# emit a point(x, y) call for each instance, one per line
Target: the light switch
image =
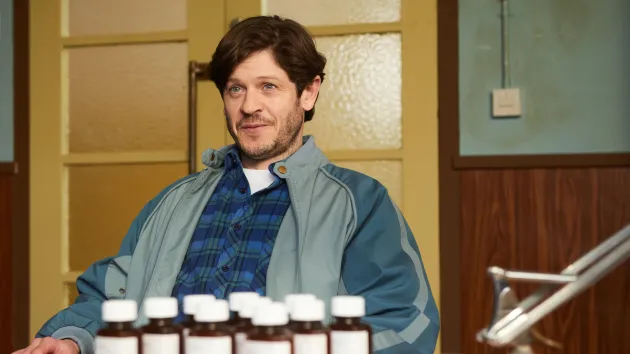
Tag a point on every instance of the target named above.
point(506, 102)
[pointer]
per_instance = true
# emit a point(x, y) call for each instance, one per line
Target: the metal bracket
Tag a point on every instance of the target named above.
point(196, 72)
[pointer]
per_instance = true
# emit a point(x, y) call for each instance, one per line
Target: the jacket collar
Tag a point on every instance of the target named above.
point(308, 159)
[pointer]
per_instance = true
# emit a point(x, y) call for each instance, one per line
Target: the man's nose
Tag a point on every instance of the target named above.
point(252, 103)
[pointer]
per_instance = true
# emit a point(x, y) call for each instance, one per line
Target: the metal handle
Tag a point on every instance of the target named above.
point(545, 278)
point(196, 72)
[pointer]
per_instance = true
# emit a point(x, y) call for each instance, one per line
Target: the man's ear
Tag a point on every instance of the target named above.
point(310, 93)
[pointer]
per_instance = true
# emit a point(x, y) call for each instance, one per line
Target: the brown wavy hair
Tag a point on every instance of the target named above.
point(292, 46)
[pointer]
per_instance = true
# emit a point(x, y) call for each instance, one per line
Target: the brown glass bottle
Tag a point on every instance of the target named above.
point(291, 301)
point(241, 328)
point(270, 334)
point(237, 300)
point(347, 333)
point(211, 333)
point(191, 303)
point(244, 324)
point(188, 324)
point(310, 336)
point(118, 336)
point(161, 335)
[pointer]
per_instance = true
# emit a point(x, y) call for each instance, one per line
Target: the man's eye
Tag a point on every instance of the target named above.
point(269, 86)
point(234, 89)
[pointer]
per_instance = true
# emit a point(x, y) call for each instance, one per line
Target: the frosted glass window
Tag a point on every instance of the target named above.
point(334, 12)
point(359, 105)
point(128, 98)
point(100, 17)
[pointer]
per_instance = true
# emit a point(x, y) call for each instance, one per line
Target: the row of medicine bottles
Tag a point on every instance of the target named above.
point(247, 324)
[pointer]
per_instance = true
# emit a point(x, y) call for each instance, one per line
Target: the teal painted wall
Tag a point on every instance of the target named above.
point(571, 59)
point(6, 80)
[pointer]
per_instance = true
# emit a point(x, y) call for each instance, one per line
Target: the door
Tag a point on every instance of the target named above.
point(377, 110)
point(110, 126)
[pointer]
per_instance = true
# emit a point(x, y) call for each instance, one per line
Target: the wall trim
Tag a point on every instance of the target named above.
point(541, 161)
point(449, 199)
point(21, 193)
point(8, 168)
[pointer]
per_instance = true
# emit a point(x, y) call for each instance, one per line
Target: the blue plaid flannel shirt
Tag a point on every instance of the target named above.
point(231, 247)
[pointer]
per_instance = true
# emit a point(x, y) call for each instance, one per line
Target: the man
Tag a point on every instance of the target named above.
point(270, 214)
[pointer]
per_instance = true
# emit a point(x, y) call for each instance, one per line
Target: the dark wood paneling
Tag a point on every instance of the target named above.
point(21, 79)
point(6, 269)
point(540, 161)
point(448, 140)
point(557, 224)
point(7, 168)
point(488, 223)
point(543, 220)
point(613, 293)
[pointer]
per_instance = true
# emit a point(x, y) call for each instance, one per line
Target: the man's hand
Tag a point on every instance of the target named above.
point(50, 345)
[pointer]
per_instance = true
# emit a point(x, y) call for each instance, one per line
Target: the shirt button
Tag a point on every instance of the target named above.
point(225, 269)
point(243, 190)
point(237, 226)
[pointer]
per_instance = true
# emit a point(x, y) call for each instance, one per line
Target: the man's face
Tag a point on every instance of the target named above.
point(264, 115)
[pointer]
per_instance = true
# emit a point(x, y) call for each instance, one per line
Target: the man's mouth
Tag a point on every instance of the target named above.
point(253, 128)
point(253, 125)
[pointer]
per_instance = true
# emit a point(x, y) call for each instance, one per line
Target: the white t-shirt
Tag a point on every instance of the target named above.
point(258, 179)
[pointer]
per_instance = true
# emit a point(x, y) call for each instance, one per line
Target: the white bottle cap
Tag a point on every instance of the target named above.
point(160, 307)
point(191, 302)
point(120, 311)
point(308, 311)
point(239, 298)
point(248, 310)
point(273, 314)
point(348, 306)
point(292, 299)
point(213, 311)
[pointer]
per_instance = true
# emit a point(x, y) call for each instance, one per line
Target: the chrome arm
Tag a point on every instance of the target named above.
point(497, 273)
point(512, 321)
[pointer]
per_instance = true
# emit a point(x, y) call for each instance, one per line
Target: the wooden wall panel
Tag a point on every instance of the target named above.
point(6, 269)
point(488, 221)
point(543, 220)
point(613, 292)
point(21, 194)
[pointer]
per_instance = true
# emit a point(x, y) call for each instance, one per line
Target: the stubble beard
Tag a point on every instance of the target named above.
point(285, 143)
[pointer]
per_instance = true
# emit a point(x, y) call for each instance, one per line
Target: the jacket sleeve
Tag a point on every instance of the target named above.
point(81, 320)
point(382, 263)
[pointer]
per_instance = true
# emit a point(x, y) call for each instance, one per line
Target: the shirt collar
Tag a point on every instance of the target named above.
point(233, 160)
point(306, 160)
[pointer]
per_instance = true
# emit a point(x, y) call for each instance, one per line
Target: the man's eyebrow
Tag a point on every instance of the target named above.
point(269, 77)
point(262, 77)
